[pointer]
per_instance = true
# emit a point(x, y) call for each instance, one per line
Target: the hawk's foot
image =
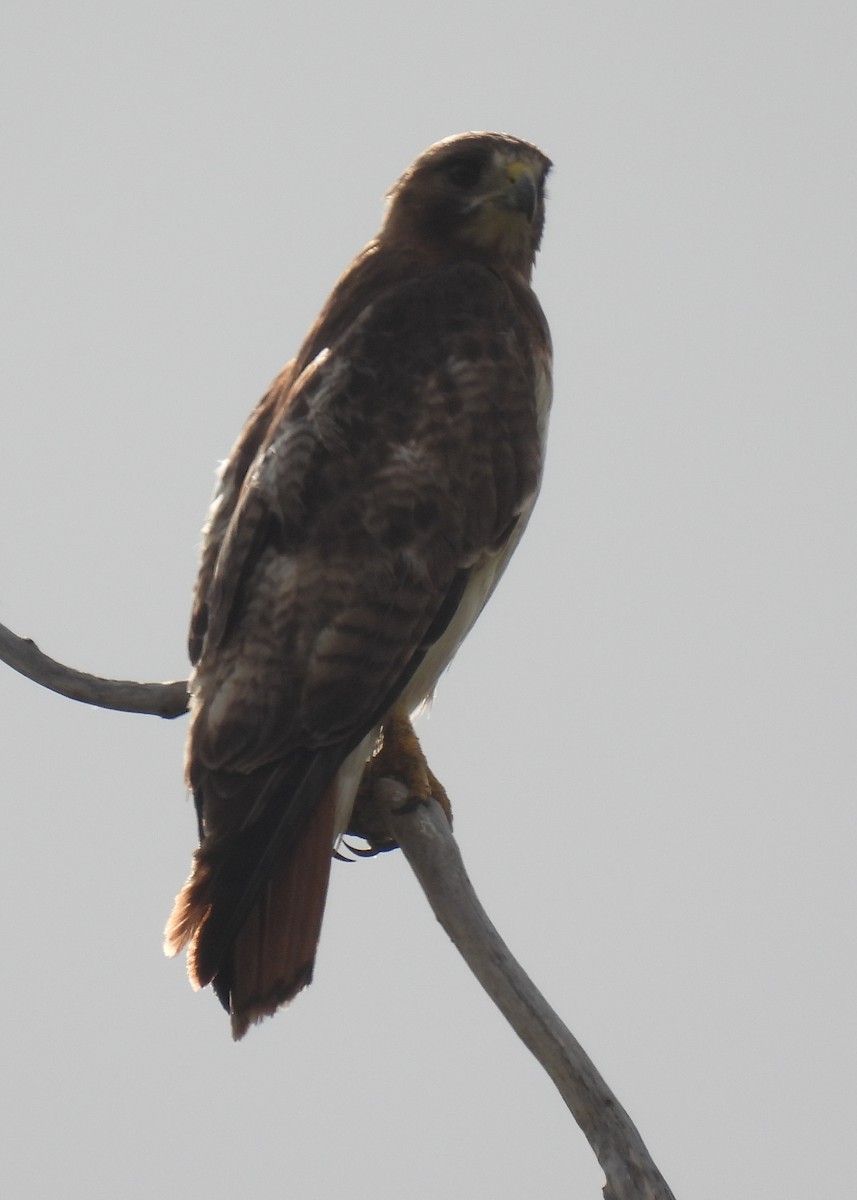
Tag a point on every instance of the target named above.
point(399, 756)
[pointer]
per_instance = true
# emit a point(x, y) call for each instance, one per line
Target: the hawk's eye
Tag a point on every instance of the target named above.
point(464, 170)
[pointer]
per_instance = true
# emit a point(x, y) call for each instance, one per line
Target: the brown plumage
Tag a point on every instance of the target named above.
point(359, 526)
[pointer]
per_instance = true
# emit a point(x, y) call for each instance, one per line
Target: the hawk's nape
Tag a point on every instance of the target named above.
point(359, 526)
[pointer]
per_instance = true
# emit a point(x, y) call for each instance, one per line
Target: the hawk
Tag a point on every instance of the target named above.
point(358, 527)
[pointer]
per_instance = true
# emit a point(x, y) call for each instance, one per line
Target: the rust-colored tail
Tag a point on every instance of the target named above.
point(271, 956)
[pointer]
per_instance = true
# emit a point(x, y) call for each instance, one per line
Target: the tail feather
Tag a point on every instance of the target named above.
point(271, 956)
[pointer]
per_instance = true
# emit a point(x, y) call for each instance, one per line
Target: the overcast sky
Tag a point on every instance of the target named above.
point(649, 738)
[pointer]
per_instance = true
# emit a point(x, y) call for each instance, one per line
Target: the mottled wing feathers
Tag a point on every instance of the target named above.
point(375, 486)
point(227, 494)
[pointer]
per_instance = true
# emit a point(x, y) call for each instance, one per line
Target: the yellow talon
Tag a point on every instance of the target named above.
point(399, 756)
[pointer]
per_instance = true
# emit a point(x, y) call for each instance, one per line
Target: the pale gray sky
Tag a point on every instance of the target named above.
point(649, 739)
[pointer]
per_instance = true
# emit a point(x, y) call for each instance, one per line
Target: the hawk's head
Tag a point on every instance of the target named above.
point(477, 195)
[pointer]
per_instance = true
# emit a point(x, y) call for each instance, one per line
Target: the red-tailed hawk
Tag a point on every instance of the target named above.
point(359, 525)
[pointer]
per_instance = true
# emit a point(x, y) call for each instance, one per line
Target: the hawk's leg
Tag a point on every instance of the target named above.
point(399, 756)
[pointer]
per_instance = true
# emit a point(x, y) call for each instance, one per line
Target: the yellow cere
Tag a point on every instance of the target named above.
point(516, 169)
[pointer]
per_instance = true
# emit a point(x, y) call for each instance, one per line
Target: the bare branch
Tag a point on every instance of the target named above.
point(426, 839)
point(154, 699)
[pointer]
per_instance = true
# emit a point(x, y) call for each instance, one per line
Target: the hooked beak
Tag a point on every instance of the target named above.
point(521, 195)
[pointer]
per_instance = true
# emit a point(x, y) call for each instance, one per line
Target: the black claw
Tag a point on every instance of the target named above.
point(372, 849)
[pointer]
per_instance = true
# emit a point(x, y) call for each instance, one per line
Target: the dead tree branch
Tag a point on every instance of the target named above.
point(426, 839)
point(153, 699)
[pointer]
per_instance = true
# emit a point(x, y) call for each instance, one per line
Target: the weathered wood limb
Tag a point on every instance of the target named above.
point(427, 842)
point(154, 699)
